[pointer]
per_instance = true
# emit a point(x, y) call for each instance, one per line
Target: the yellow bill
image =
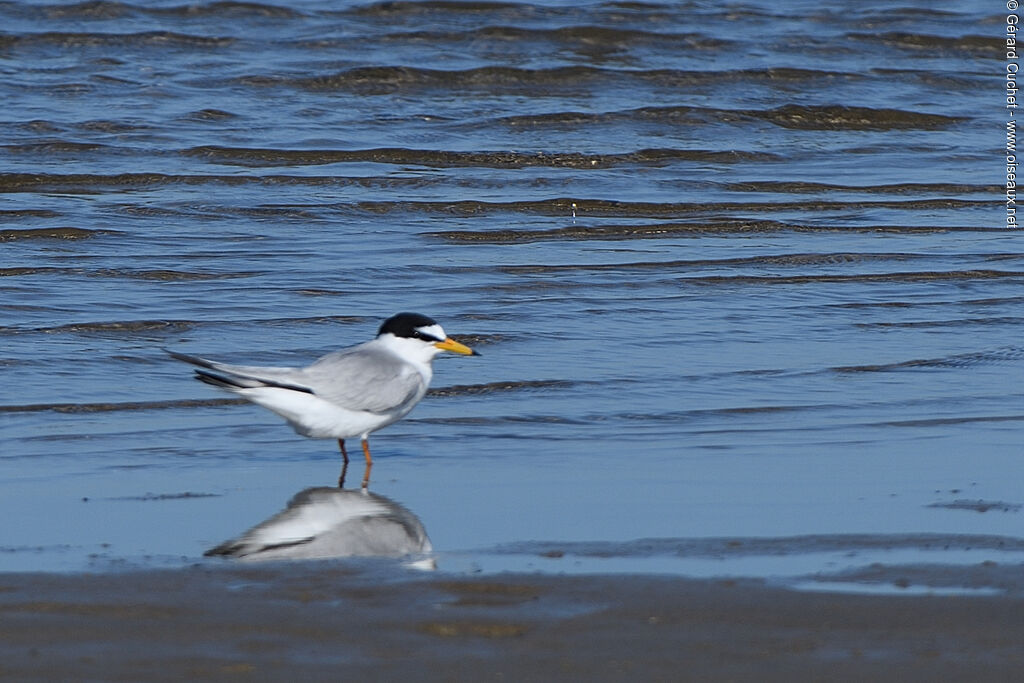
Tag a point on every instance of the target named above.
point(450, 344)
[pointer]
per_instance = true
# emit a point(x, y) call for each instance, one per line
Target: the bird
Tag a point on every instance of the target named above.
point(347, 393)
point(325, 522)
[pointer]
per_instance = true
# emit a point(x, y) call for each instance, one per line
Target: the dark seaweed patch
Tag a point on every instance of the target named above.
point(52, 234)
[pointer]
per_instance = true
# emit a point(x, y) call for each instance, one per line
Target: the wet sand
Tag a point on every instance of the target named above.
point(324, 621)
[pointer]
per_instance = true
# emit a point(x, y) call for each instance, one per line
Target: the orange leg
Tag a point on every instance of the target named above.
point(369, 463)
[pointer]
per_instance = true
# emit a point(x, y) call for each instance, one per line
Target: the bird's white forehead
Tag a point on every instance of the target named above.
point(434, 330)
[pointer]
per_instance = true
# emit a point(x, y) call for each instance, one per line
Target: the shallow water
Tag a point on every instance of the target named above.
point(736, 272)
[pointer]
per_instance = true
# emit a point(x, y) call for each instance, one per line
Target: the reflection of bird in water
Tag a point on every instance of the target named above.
point(347, 393)
point(324, 522)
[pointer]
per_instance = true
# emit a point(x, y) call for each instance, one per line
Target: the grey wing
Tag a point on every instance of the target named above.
point(365, 379)
point(246, 376)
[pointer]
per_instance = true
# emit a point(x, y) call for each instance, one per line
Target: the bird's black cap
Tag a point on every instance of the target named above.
point(406, 325)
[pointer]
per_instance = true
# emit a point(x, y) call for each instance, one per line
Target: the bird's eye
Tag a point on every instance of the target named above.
point(428, 333)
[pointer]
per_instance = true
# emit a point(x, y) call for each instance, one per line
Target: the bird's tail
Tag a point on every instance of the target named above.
point(236, 378)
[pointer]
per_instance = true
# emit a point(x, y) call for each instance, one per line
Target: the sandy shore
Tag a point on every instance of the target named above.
point(337, 622)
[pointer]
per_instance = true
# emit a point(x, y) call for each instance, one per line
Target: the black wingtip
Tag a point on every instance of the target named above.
point(185, 358)
point(219, 381)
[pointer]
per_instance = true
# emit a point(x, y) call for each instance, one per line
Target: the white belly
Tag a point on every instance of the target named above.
point(316, 418)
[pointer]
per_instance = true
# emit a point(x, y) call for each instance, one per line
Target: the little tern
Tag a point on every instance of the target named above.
point(327, 522)
point(347, 393)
